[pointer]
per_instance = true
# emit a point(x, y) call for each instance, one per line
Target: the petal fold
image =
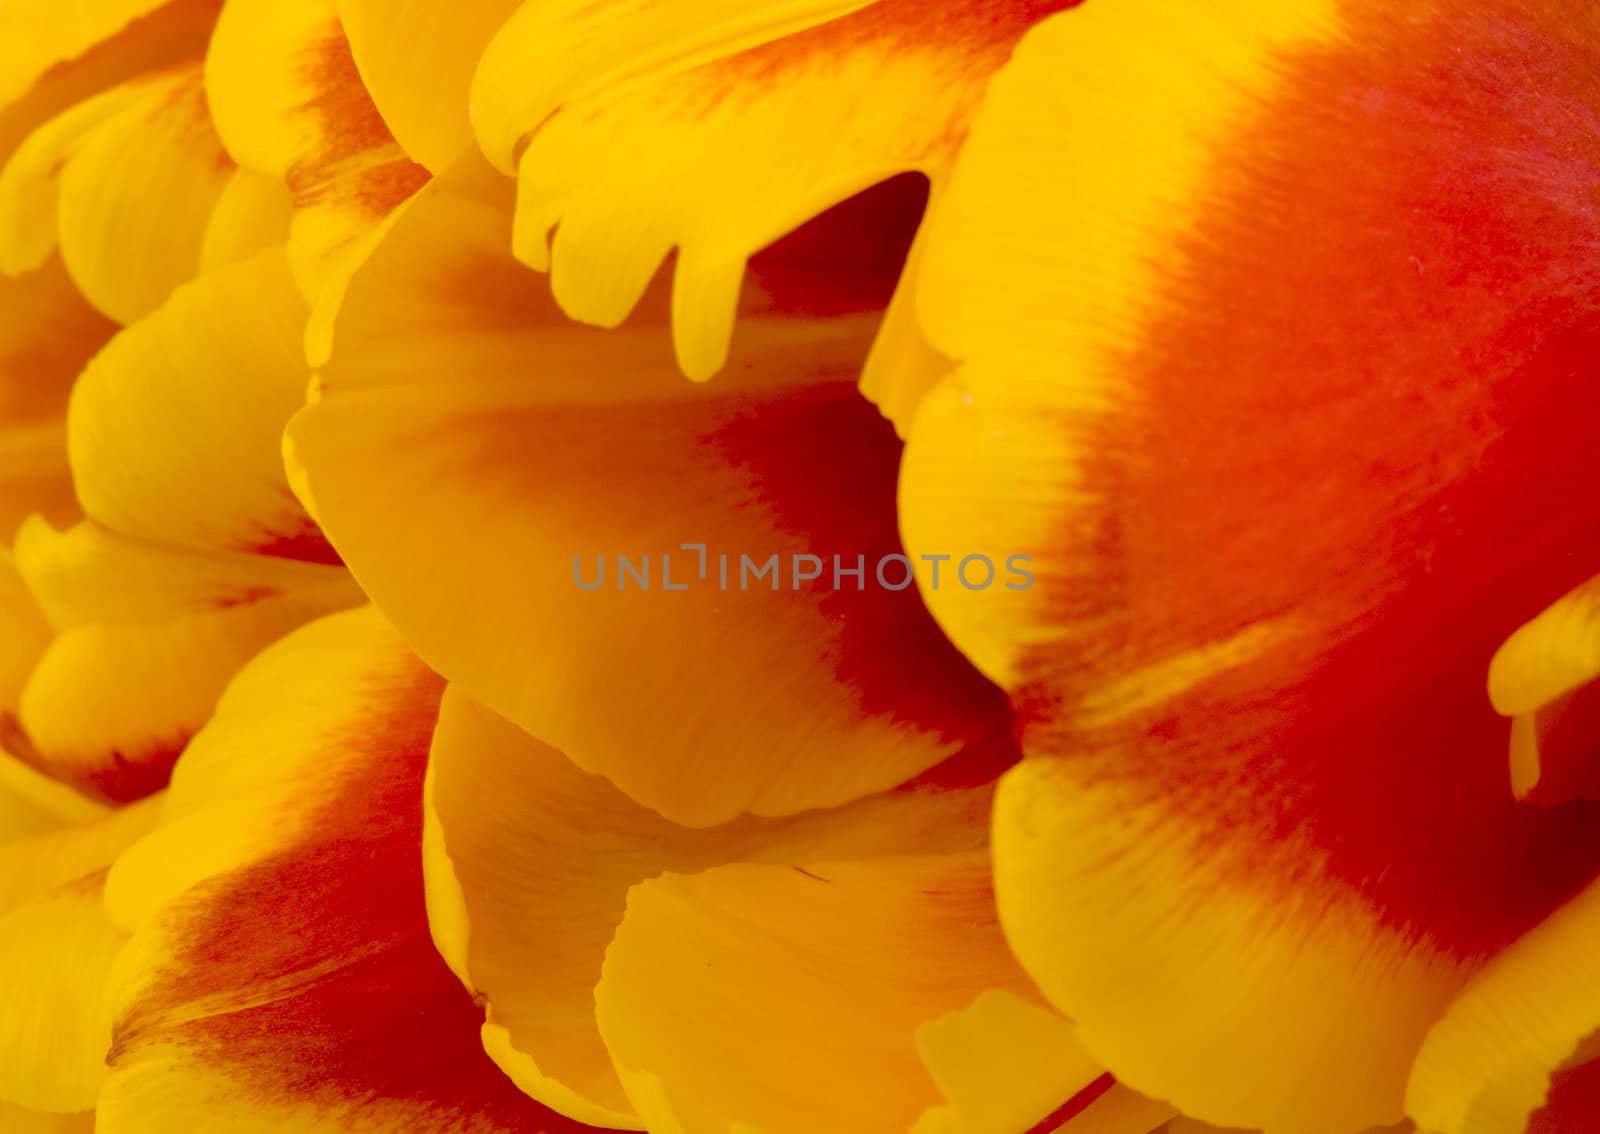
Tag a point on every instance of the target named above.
point(517, 445)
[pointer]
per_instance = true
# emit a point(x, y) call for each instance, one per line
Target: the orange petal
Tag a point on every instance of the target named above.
point(716, 127)
point(534, 858)
point(515, 443)
point(1267, 398)
point(729, 996)
point(163, 450)
point(292, 985)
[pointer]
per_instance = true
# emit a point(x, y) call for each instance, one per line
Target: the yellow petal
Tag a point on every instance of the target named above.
point(54, 1031)
point(535, 858)
point(21, 1120)
point(1488, 1063)
point(89, 574)
point(174, 428)
point(1550, 655)
point(730, 997)
point(290, 103)
point(417, 59)
point(47, 333)
point(24, 633)
point(505, 459)
point(56, 948)
point(109, 707)
point(714, 128)
point(127, 181)
point(36, 35)
point(1004, 1063)
point(251, 215)
point(47, 71)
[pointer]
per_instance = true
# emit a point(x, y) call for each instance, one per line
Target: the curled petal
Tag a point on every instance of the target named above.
point(534, 857)
point(728, 996)
point(515, 443)
point(714, 128)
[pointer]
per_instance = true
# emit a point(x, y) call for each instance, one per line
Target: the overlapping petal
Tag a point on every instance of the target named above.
point(284, 977)
point(534, 859)
point(417, 59)
point(56, 946)
point(516, 445)
point(290, 104)
point(124, 183)
point(47, 333)
point(196, 554)
point(1267, 830)
point(714, 128)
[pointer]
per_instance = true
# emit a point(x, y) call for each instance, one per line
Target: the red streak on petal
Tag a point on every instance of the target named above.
point(1073, 1107)
point(826, 465)
point(1375, 431)
point(365, 1013)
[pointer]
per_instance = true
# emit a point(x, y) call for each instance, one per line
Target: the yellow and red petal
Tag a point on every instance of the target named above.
point(174, 428)
point(296, 985)
point(125, 183)
point(1491, 1060)
point(714, 128)
point(110, 706)
point(417, 60)
point(518, 446)
point(290, 104)
point(533, 859)
point(729, 996)
point(89, 574)
point(1266, 399)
